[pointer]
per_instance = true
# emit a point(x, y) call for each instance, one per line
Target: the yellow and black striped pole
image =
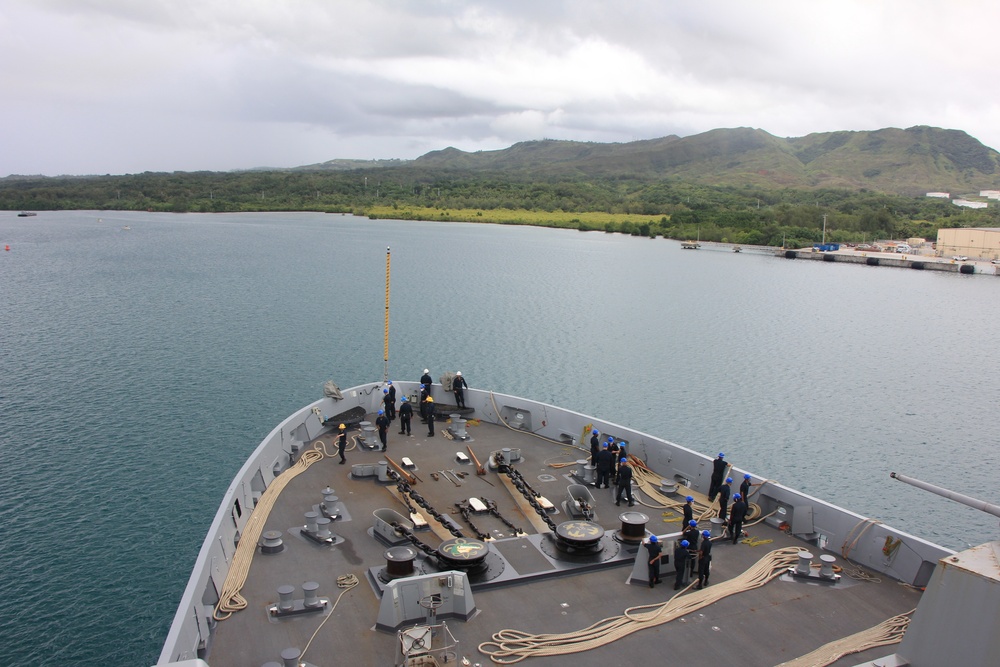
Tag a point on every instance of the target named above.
point(385, 370)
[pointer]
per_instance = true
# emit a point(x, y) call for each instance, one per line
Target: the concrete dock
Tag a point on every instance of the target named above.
point(893, 259)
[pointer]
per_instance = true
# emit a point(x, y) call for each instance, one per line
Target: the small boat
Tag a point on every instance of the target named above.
point(736, 248)
point(26, 214)
point(690, 245)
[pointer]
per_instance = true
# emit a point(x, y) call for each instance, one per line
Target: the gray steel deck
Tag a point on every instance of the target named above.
point(764, 627)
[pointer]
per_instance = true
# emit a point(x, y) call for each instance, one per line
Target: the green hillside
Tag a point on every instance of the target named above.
point(908, 162)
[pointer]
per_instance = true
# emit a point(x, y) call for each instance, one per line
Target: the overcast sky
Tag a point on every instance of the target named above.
point(125, 86)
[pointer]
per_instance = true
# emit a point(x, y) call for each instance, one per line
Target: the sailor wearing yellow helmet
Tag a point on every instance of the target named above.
point(430, 417)
point(342, 443)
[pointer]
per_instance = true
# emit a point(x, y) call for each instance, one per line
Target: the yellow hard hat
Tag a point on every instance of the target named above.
point(342, 426)
point(430, 400)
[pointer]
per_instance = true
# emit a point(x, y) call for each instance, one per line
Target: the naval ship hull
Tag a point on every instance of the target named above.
point(526, 578)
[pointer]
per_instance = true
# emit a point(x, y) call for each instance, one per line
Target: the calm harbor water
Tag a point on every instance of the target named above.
point(139, 367)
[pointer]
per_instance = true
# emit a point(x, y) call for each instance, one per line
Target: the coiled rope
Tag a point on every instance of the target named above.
point(511, 646)
point(230, 600)
point(346, 582)
point(885, 633)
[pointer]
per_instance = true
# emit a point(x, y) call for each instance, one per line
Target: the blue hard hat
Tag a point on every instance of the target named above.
point(729, 480)
point(690, 499)
point(388, 381)
point(596, 432)
point(622, 460)
point(705, 533)
point(605, 445)
point(381, 412)
point(721, 455)
point(685, 543)
point(385, 391)
point(737, 497)
point(747, 476)
point(403, 399)
point(652, 538)
point(692, 522)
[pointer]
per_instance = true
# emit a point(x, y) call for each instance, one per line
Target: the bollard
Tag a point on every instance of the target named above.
point(805, 563)
point(826, 569)
point(285, 602)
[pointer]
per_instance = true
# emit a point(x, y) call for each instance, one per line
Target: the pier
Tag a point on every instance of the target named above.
point(892, 259)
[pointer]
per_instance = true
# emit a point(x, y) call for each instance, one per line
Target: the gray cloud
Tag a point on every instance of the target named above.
point(110, 86)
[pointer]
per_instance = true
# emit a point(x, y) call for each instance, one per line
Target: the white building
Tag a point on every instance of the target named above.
point(969, 204)
point(942, 195)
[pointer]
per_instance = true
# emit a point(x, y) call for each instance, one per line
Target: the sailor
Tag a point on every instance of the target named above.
point(430, 417)
point(745, 487)
point(718, 474)
point(387, 401)
point(426, 379)
point(737, 517)
point(704, 559)
point(615, 450)
point(425, 393)
point(691, 534)
point(624, 482)
point(392, 401)
point(405, 415)
point(655, 550)
point(382, 422)
point(603, 467)
point(342, 443)
point(724, 492)
point(459, 386)
point(681, 557)
point(595, 446)
point(688, 510)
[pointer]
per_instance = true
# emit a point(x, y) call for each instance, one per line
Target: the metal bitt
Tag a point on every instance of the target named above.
point(981, 505)
point(329, 504)
point(317, 528)
point(271, 542)
point(289, 606)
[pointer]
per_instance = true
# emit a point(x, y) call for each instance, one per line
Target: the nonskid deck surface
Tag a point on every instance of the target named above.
point(762, 627)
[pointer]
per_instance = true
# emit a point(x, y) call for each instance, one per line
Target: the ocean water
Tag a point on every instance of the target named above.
point(139, 367)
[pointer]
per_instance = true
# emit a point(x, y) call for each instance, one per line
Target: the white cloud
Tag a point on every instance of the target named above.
point(96, 86)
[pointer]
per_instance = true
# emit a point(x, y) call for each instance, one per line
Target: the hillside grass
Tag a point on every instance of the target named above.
point(591, 220)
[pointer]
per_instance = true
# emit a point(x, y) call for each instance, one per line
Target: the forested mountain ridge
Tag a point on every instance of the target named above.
point(738, 185)
point(908, 162)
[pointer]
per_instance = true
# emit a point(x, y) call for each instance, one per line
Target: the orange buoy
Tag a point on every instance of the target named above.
point(7, 247)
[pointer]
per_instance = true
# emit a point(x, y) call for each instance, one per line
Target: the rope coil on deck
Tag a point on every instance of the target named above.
point(230, 600)
point(511, 646)
point(887, 632)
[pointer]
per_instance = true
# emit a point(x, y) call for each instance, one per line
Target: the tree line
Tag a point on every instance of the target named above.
point(670, 208)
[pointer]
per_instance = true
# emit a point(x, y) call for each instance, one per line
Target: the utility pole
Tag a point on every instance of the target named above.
point(824, 229)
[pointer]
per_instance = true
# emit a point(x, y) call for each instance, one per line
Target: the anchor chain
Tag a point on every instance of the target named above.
point(529, 494)
point(406, 490)
point(492, 508)
point(414, 540)
point(466, 510)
